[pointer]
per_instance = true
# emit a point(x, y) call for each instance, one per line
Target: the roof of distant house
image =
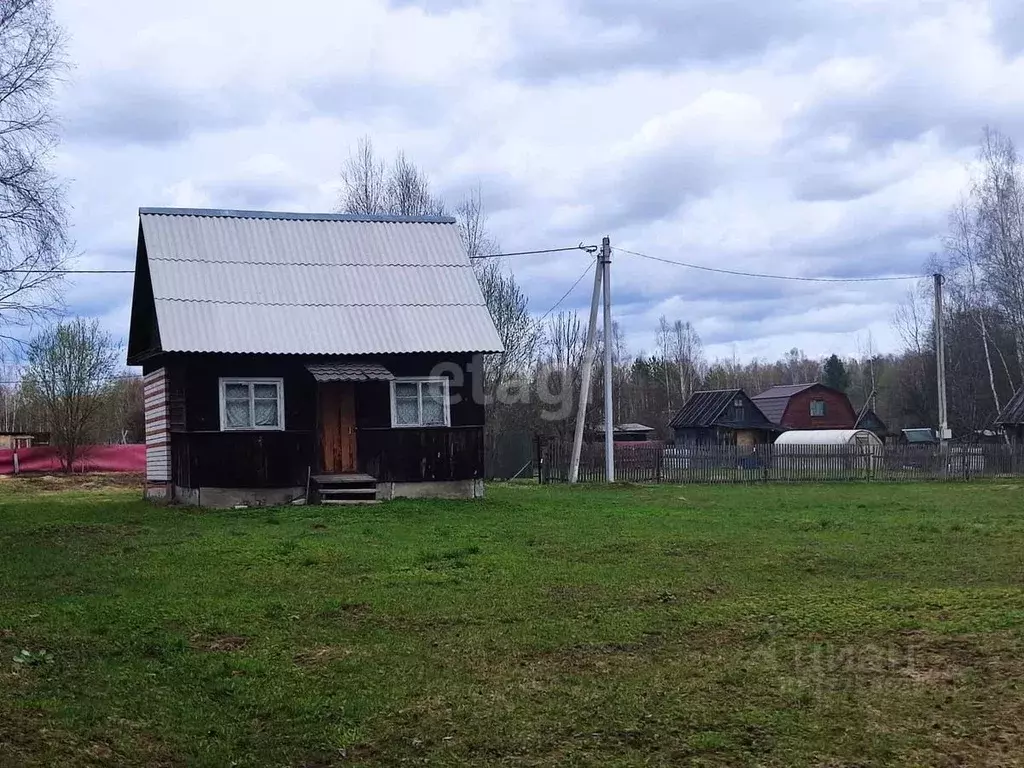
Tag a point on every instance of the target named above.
point(919, 435)
point(1013, 412)
point(298, 283)
point(773, 401)
point(704, 407)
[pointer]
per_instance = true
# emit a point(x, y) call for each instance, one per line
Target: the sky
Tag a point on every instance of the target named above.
point(798, 137)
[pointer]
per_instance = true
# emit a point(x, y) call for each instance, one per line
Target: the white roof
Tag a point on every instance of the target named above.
point(824, 437)
point(329, 284)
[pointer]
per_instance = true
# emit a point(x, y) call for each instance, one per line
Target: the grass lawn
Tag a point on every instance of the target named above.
point(844, 625)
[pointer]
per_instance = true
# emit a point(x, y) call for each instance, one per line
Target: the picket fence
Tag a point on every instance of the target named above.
point(655, 463)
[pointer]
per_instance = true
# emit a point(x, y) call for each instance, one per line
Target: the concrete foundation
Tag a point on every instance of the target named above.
point(450, 489)
point(224, 498)
point(159, 491)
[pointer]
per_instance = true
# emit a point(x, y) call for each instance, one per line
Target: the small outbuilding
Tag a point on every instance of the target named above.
point(823, 437)
point(627, 433)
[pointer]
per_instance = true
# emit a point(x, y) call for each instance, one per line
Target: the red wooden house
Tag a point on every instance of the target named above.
point(807, 406)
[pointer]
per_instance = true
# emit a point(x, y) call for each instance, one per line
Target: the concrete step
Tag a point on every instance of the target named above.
point(349, 502)
point(345, 491)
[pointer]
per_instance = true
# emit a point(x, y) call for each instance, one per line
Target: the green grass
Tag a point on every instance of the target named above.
point(846, 625)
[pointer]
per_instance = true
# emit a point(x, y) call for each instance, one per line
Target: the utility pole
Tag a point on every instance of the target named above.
point(940, 361)
point(588, 365)
point(609, 428)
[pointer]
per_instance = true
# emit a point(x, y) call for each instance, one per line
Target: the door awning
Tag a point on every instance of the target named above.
point(355, 370)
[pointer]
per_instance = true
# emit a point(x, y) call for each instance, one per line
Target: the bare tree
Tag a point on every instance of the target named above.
point(997, 200)
point(33, 223)
point(371, 186)
point(362, 175)
point(69, 370)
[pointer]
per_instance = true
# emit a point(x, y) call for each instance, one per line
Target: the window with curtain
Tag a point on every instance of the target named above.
point(254, 404)
point(420, 403)
point(817, 407)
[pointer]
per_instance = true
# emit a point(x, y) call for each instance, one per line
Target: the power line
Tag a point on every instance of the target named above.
point(566, 294)
point(67, 271)
point(125, 377)
point(580, 247)
point(765, 276)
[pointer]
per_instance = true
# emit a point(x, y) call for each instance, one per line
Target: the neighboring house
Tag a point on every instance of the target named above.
point(1011, 418)
point(284, 352)
point(807, 406)
point(721, 417)
point(872, 422)
point(626, 433)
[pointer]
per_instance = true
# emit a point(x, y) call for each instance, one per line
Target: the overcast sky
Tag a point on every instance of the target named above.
point(804, 137)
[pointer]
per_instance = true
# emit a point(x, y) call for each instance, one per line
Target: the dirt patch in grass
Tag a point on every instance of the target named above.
point(57, 482)
point(218, 643)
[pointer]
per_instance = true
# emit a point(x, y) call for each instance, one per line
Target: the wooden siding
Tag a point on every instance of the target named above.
point(242, 459)
point(839, 413)
point(203, 456)
point(722, 436)
point(158, 431)
point(414, 455)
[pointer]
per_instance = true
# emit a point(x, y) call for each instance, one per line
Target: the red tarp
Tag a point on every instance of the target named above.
point(93, 458)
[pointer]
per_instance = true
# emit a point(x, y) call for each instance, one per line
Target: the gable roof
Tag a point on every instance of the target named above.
point(1013, 411)
point(773, 401)
point(710, 408)
point(703, 408)
point(295, 283)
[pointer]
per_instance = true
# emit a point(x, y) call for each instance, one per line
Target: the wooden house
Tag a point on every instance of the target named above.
point(1011, 419)
point(721, 417)
point(306, 356)
point(807, 406)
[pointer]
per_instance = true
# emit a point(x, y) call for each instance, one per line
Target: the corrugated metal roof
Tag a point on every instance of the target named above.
point(357, 370)
point(703, 408)
point(1013, 412)
point(263, 282)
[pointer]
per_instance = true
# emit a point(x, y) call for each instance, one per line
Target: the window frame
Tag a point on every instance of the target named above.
point(222, 384)
point(444, 381)
point(824, 409)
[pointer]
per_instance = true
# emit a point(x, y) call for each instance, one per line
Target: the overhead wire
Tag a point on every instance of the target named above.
point(767, 276)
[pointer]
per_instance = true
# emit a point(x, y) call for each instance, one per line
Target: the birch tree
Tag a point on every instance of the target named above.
point(33, 222)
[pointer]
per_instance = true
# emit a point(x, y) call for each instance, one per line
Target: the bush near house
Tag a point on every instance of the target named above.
point(779, 625)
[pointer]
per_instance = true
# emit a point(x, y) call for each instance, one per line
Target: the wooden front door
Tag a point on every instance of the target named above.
point(338, 426)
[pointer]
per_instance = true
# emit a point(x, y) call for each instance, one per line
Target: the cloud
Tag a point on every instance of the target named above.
point(792, 137)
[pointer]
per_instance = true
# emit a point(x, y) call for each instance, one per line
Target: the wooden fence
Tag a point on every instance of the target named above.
point(655, 463)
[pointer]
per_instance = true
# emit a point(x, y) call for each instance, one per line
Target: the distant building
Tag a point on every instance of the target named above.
point(18, 440)
point(918, 436)
point(1011, 418)
point(721, 417)
point(626, 433)
point(872, 422)
point(807, 406)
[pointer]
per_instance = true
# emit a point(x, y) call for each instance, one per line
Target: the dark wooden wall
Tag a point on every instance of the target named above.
point(839, 413)
point(203, 456)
